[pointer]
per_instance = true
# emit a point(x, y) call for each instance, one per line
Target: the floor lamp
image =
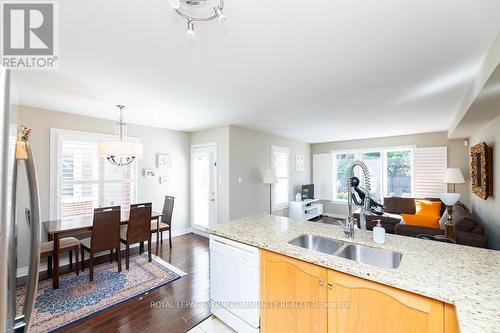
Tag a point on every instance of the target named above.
point(269, 179)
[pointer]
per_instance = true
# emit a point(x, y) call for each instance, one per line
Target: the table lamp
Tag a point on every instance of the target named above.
point(454, 176)
point(449, 199)
point(270, 178)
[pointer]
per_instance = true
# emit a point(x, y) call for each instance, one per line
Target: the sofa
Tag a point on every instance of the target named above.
point(468, 230)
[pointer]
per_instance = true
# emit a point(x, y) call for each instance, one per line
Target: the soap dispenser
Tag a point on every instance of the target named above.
point(379, 233)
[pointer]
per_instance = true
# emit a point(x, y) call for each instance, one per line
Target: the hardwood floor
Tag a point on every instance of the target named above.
point(173, 308)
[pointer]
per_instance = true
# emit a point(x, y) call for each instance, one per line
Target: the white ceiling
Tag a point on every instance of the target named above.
point(313, 71)
point(483, 110)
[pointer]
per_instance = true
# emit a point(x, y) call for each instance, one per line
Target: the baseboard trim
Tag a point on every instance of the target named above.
point(200, 232)
point(338, 216)
point(23, 271)
point(179, 232)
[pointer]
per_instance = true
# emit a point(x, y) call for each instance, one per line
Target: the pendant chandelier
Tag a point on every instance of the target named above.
point(120, 152)
point(180, 7)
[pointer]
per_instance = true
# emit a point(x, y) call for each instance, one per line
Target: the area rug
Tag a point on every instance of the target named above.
point(77, 298)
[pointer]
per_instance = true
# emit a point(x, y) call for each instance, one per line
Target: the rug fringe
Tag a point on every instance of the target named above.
point(167, 265)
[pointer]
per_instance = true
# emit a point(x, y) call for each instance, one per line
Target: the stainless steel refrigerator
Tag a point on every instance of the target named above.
point(15, 149)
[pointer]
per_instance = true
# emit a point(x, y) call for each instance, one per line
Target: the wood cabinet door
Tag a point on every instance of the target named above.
point(450, 319)
point(293, 295)
point(359, 305)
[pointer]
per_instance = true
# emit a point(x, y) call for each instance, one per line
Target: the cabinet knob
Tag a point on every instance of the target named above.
point(330, 285)
point(321, 282)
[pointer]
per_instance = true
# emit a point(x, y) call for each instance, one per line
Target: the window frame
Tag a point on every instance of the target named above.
point(55, 181)
point(383, 165)
point(286, 150)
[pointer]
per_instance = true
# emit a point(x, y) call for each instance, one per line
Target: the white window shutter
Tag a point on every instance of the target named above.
point(429, 169)
point(119, 184)
point(85, 180)
point(322, 176)
point(280, 157)
point(78, 178)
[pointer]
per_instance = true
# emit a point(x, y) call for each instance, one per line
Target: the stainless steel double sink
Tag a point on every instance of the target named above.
point(360, 253)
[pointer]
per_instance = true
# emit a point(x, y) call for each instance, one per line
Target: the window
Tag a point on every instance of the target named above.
point(398, 170)
point(374, 162)
point(342, 163)
point(81, 180)
point(280, 164)
point(390, 172)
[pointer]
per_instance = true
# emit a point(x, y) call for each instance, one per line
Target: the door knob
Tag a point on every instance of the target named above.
point(321, 282)
point(330, 285)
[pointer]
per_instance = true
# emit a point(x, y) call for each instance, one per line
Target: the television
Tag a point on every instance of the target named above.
point(308, 191)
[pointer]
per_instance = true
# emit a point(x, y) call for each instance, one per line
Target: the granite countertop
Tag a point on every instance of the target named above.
point(465, 276)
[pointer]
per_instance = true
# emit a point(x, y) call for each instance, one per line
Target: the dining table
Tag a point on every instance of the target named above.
point(72, 226)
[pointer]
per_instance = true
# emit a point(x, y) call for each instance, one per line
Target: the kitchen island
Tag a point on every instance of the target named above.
point(463, 276)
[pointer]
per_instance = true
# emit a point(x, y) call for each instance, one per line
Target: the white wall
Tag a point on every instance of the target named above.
point(247, 154)
point(488, 211)
point(249, 157)
point(457, 156)
point(155, 140)
point(469, 115)
point(220, 136)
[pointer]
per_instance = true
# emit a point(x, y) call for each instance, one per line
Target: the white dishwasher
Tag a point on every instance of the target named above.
point(235, 284)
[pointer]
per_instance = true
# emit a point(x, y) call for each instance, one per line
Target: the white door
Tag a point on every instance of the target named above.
point(204, 185)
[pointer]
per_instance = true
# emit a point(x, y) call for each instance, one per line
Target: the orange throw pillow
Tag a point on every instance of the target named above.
point(421, 220)
point(427, 207)
point(427, 214)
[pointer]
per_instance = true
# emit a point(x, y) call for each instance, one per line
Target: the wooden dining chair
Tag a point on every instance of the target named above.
point(69, 244)
point(138, 229)
point(166, 220)
point(105, 236)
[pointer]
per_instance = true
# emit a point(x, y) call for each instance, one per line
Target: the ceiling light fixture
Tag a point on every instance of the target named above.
point(180, 5)
point(122, 152)
point(190, 31)
point(220, 15)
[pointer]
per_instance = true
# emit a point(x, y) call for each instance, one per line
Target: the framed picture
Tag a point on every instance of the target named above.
point(299, 162)
point(148, 173)
point(164, 180)
point(481, 170)
point(164, 161)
